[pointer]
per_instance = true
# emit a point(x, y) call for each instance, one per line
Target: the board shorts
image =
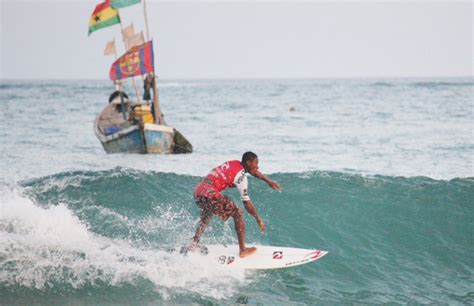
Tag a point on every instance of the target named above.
point(212, 202)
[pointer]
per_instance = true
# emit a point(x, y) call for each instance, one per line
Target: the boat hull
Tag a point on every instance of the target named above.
point(158, 138)
point(140, 138)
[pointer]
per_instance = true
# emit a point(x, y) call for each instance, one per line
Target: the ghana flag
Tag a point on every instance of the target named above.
point(137, 61)
point(103, 16)
point(123, 3)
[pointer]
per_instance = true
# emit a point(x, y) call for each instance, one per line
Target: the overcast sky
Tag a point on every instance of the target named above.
point(243, 39)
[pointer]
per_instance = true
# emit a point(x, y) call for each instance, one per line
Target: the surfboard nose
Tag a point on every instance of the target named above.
point(316, 254)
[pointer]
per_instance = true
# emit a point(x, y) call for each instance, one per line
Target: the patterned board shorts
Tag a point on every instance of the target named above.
point(219, 205)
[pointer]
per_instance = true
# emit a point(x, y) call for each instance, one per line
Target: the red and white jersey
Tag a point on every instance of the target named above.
point(229, 174)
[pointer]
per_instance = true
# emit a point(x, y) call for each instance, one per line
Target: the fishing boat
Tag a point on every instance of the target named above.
point(133, 125)
point(128, 127)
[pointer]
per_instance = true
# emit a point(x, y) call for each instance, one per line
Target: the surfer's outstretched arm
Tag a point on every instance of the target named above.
point(273, 184)
point(253, 212)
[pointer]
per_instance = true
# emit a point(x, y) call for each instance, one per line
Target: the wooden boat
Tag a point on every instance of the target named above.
point(126, 127)
point(138, 126)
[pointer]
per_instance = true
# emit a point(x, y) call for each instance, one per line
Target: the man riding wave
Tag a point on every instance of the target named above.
point(211, 201)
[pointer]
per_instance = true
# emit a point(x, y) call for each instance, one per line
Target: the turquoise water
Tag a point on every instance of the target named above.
point(390, 239)
point(377, 172)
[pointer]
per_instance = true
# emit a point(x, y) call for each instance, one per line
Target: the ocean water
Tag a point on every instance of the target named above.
point(379, 172)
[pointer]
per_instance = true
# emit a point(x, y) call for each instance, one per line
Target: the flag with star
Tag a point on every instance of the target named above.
point(103, 16)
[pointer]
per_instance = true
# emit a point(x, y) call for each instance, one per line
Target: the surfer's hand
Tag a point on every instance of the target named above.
point(261, 224)
point(274, 185)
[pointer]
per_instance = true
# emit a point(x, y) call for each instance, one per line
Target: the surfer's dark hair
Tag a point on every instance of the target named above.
point(248, 156)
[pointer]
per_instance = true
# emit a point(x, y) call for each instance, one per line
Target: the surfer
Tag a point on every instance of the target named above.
point(211, 201)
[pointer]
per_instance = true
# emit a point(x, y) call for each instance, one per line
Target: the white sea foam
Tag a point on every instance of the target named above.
point(41, 247)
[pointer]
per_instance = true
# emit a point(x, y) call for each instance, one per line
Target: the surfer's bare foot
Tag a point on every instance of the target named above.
point(247, 252)
point(192, 247)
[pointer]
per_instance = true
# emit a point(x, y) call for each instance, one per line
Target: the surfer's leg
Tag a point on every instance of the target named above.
point(227, 209)
point(204, 203)
point(205, 218)
point(240, 230)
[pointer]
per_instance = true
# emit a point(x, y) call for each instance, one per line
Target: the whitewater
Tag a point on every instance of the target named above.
point(379, 172)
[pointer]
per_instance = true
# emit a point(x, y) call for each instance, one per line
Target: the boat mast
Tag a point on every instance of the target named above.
point(156, 101)
point(126, 50)
point(118, 86)
point(146, 21)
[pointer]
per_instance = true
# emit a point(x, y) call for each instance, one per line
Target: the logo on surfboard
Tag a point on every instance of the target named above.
point(315, 254)
point(226, 260)
point(277, 255)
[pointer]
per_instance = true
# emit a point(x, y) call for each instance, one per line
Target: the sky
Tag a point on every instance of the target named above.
point(47, 39)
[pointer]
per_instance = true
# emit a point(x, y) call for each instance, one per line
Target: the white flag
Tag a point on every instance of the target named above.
point(128, 32)
point(110, 48)
point(136, 40)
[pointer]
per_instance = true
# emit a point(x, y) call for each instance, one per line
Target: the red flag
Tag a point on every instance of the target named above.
point(137, 61)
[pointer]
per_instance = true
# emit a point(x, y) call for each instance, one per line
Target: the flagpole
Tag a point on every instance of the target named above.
point(115, 50)
point(147, 35)
point(126, 50)
point(146, 21)
point(115, 54)
point(156, 100)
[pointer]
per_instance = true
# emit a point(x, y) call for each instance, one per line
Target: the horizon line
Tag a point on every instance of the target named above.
point(246, 78)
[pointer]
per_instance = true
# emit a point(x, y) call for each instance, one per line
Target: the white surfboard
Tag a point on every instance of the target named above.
point(266, 257)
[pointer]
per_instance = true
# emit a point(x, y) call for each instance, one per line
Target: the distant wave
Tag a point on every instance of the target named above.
point(14, 86)
point(181, 84)
point(424, 84)
point(443, 84)
point(382, 84)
